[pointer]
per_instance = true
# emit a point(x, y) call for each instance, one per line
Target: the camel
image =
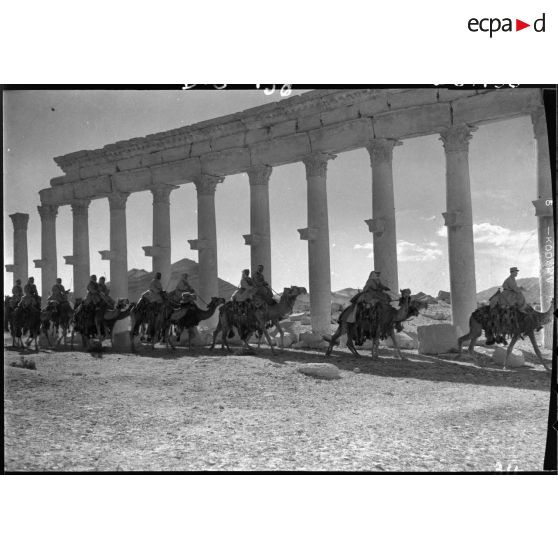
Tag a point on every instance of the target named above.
point(88, 322)
point(189, 318)
point(26, 319)
point(58, 316)
point(498, 323)
point(156, 316)
point(376, 322)
point(244, 317)
point(273, 314)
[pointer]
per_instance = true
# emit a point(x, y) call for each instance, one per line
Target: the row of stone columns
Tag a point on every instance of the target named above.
point(458, 220)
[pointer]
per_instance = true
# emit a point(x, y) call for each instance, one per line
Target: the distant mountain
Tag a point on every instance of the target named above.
point(139, 279)
point(530, 284)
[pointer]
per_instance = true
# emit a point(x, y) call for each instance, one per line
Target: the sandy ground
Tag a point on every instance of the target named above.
point(202, 410)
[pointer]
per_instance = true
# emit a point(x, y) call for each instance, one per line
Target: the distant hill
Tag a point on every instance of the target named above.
point(139, 279)
point(530, 284)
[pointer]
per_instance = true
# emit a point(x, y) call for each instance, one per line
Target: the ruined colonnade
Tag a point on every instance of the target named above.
point(309, 129)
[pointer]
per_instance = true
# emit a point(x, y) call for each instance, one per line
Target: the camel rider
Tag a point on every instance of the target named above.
point(246, 289)
point(185, 287)
point(261, 286)
point(93, 297)
point(155, 292)
point(58, 293)
point(374, 291)
point(104, 292)
point(17, 293)
point(30, 294)
point(511, 294)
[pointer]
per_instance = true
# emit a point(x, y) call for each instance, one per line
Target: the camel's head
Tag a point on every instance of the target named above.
point(295, 291)
point(122, 303)
point(217, 301)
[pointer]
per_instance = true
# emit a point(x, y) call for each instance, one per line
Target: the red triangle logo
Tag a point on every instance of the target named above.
point(519, 25)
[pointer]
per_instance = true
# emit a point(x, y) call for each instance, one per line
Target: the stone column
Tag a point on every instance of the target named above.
point(81, 257)
point(544, 214)
point(48, 261)
point(206, 243)
point(259, 238)
point(317, 235)
point(161, 249)
point(459, 221)
point(382, 225)
point(20, 267)
point(118, 253)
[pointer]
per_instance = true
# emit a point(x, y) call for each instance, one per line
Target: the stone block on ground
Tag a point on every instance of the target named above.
point(312, 341)
point(403, 340)
point(296, 317)
point(121, 334)
point(289, 339)
point(322, 371)
point(288, 326)
point(515, 360)
point(437, 339)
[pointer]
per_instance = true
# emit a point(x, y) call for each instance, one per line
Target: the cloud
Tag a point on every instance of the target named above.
point(411, 252)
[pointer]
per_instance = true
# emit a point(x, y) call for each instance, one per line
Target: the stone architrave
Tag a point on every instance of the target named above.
point(317, 235)
point(259, 238)
point(459, 222)
point(118, 254)
point(48, 261)
point(382, 224)
point(161, 249)
point(206, 243)
point(544, 213)
point(20, 267)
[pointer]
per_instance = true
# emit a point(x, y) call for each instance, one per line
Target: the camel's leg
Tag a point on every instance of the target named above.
point(510, 349)
point(396, 346)
point(531, 335)
point(333, 340)
point(351, 345)
point(268, 339)
point(215, 334)
point(460, 342)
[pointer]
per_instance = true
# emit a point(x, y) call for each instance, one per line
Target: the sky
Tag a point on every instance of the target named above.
point(40, 125)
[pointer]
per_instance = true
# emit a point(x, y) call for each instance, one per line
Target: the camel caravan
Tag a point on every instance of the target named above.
point(159, 316)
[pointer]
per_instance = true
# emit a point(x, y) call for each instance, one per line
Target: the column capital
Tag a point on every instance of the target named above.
point(20, 220)
point(109, 255)
point(152, 251)
point(10, 268)
point(316, 163)
point(206, 184)
point(456, 138)
point(39, 263)
point(161, 193)
point(117, 200)
point(47, 212)
point(538, 117)
point(376, 226)
point(259, 175)
point(308, 234)
point(80, 207)
point(381, 150)
point(70, 260)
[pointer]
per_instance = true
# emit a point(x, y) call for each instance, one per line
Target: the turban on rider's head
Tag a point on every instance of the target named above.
point(512, 269)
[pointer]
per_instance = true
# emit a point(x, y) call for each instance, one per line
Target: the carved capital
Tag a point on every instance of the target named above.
point(161, 194)
point(538, 117)
point(80, 208)
point(117, 200)
point(381, 150)
point(39, 263)
point(206, 184)
point(70, 260)
point(316, 164)
point(198, 244)
point(252, 239)
point(20, 220)
point(48, 212)
point(457, 137)
point(259, 175)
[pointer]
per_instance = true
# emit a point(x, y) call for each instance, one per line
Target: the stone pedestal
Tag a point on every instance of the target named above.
point(161, 249)
point(259, 238)
point(382, 224)
point(459, 221)
point(47, 263)
point(317, 235)
point(20, 267)
point(118, 253)
point(206, 243)
point(544, 213)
